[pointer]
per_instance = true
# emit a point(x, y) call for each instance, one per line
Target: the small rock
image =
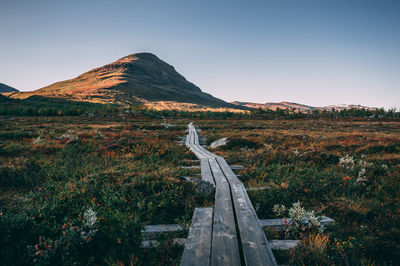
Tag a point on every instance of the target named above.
point(166, 125)
point(202, 187)
point(218, 143)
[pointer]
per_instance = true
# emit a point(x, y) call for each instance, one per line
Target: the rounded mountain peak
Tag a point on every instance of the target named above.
point(139, 56)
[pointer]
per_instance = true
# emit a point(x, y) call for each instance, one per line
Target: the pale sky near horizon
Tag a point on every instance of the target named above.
point(315, 52)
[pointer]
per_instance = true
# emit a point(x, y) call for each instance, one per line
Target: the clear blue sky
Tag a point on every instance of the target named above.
point(313, 52)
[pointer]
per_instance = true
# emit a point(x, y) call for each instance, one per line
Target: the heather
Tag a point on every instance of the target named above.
point(346, 169)
point(79, 189)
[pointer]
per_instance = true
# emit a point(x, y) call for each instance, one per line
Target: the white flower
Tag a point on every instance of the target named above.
point(279, 210)
point(314, 221)
point(300, 218)
point(39, 140)
point(346, 162)
point(364, 163)
point(362, 172)
point(88, 230)
point(268, 147)
point(90, 217)
point(361, 176)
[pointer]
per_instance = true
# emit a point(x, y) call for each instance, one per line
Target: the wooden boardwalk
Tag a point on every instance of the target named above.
point(232, 233)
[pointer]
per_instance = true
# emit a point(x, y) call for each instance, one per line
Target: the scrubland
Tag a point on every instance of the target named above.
point(78, 190)
point(345, 169)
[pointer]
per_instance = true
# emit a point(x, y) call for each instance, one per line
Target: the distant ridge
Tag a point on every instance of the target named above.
point(300, 107)
point(339, 107)
point(6, 89)
point(140, 77)
point(274, 106)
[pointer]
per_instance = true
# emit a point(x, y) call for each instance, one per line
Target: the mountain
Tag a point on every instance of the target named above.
point(300, 107)
point(274, 106)
point(141, 77)
point(6, 89)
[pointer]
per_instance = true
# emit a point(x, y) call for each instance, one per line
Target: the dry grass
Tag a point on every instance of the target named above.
point(316, 243)
point(188, 107)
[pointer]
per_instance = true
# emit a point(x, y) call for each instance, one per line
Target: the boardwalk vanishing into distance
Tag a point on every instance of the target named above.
point(229, 234)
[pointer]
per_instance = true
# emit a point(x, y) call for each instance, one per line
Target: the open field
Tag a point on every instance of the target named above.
point(53, 171)
point(79, 189)
point(347, 170)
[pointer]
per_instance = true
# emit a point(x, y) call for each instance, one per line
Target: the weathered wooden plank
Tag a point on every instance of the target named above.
point(155, 243)
point(232, 178)
point(192, 131)
point(196, 138)
point(206, 152)
point(225, 248)
point(210, 154)
point(152, 231)
point(283, 244)
point(198, 245)
point(187, 141)
point(257, 188)
point(279, 223)
point(201, 149)
point(225, 245)
point(194, 141)
point(193, 144)
point(275, 224)
point(206, 174)
point(190, 167)
point(236, 167)
point(192, 138)
point(256, 250)
point(199, 152)
point(274, 244)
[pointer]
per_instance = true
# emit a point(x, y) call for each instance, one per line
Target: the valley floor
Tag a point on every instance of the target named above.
point(78, 190)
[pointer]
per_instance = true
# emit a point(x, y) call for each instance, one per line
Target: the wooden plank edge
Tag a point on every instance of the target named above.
point(274, 244)
point(283, 244)
point(279, 223)
point(198, 243)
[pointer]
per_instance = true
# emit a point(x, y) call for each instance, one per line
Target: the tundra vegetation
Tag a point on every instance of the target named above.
point(346, 169)
point(79, 189)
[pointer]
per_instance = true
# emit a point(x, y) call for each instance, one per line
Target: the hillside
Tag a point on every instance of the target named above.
point(141, 77)
point(6, 89)
point(44, 106)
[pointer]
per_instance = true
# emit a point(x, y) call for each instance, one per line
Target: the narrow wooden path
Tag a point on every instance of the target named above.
point(231, 234)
